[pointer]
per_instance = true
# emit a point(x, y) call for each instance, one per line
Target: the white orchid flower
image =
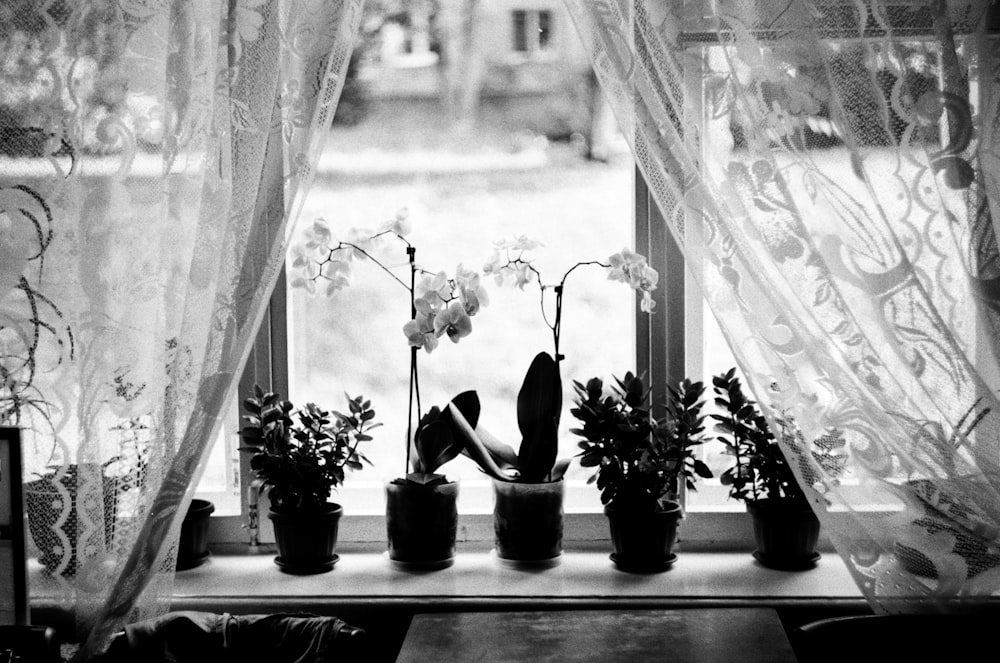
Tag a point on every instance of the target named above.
point(643, 277)
point(454, 322)
point(436, 289)
point(318, 235)
point(523, 275)
point(420, 332)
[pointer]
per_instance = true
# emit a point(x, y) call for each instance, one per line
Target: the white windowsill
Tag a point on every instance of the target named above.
point(252, 582)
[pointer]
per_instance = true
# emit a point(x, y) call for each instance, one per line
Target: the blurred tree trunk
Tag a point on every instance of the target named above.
point(600, 121)
point(463, 64)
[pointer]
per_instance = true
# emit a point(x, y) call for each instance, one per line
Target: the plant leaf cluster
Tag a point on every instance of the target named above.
point(538, 407)
point(640, 460)
point(301, 455)
point(439, 440)
point(760, 470)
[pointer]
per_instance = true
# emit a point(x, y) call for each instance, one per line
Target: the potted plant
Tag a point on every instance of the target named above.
point(785, 527)
point(192, 547)
point(639, 463)
point(53, 499)
point(300, 456)
point(938, 500)
point(421, 505)
point(528, 483)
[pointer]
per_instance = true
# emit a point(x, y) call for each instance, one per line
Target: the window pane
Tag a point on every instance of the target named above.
point(544, 29)
point(520, 21)
point(515, 166)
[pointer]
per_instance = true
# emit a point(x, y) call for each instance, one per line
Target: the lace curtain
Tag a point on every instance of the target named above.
point(830, 170)
point(152, 155)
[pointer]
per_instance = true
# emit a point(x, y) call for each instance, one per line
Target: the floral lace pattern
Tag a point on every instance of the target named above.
point(830, 170)
point(152, 153)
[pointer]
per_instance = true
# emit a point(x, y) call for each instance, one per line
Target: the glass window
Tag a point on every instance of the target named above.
point(515, 161)
point(515, 164)
point(520, 23)
point(544, 29)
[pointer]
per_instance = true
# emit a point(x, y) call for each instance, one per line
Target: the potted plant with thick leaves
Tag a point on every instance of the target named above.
point(640, 462)
point(528, 486)
point(421, 505)
point(300, 456)
point(786, 529)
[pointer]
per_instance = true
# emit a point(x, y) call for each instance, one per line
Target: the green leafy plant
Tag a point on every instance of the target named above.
point(32, 327)
point(301, 455)
point(760, 470)
point(640, 460)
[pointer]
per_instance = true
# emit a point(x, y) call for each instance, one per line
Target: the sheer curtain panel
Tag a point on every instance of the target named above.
point(153, 154)
point(830, 170)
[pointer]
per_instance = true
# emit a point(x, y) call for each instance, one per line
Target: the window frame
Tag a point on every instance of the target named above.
point(530, 34)
point(661, 343)
point(667, 348)
point(667, 352)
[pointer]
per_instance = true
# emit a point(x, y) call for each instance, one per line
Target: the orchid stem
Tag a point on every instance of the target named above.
point(411, 252)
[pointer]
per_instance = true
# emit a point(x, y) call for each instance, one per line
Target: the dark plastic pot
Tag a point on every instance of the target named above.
point(421, 523)
point(192, 549)
point(643, 540)
point(45, 504)
point(528, 520)
point(306, 538)
point(786, 533)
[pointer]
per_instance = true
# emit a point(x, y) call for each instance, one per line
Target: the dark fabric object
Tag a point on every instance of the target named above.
point(37, 644)
point(188, 636)
point(909, 638)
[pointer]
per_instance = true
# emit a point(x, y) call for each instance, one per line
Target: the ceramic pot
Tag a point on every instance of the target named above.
point(192, 548)
point(528, 520)
point(643, 540)
point(786, 533)
point(421, 523)
point(306, 538)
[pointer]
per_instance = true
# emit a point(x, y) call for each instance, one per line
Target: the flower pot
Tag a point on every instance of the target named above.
point(528, 520)
point(421, 522)
point(45, 499)
point(643, 540)
point(977, 552)
point(306, 538)
point(786, 532)
point(935, 499)
point(192, 549)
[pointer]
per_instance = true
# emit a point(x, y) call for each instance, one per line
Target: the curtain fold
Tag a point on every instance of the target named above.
point(153, 157)
point(830, 172)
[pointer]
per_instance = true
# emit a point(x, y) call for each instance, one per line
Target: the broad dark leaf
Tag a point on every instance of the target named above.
point(538, 405)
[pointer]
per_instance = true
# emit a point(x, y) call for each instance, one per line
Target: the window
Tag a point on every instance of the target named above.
point(522, 169)
point(520, 18)
point(532, 30)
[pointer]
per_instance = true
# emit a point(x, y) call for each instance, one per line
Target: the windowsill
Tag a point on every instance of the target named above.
point(367, 590)
point(365, 576)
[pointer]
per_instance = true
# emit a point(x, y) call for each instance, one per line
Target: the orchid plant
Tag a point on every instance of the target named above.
point(440, 305)
point(539, 402)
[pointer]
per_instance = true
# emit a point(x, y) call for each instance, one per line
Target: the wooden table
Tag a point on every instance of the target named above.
point(709, 635)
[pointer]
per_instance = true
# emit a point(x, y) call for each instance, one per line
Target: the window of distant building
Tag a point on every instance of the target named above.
point(532, 30)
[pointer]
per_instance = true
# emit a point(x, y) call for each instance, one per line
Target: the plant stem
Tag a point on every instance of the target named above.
point(342, 245)
point(411, 252)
